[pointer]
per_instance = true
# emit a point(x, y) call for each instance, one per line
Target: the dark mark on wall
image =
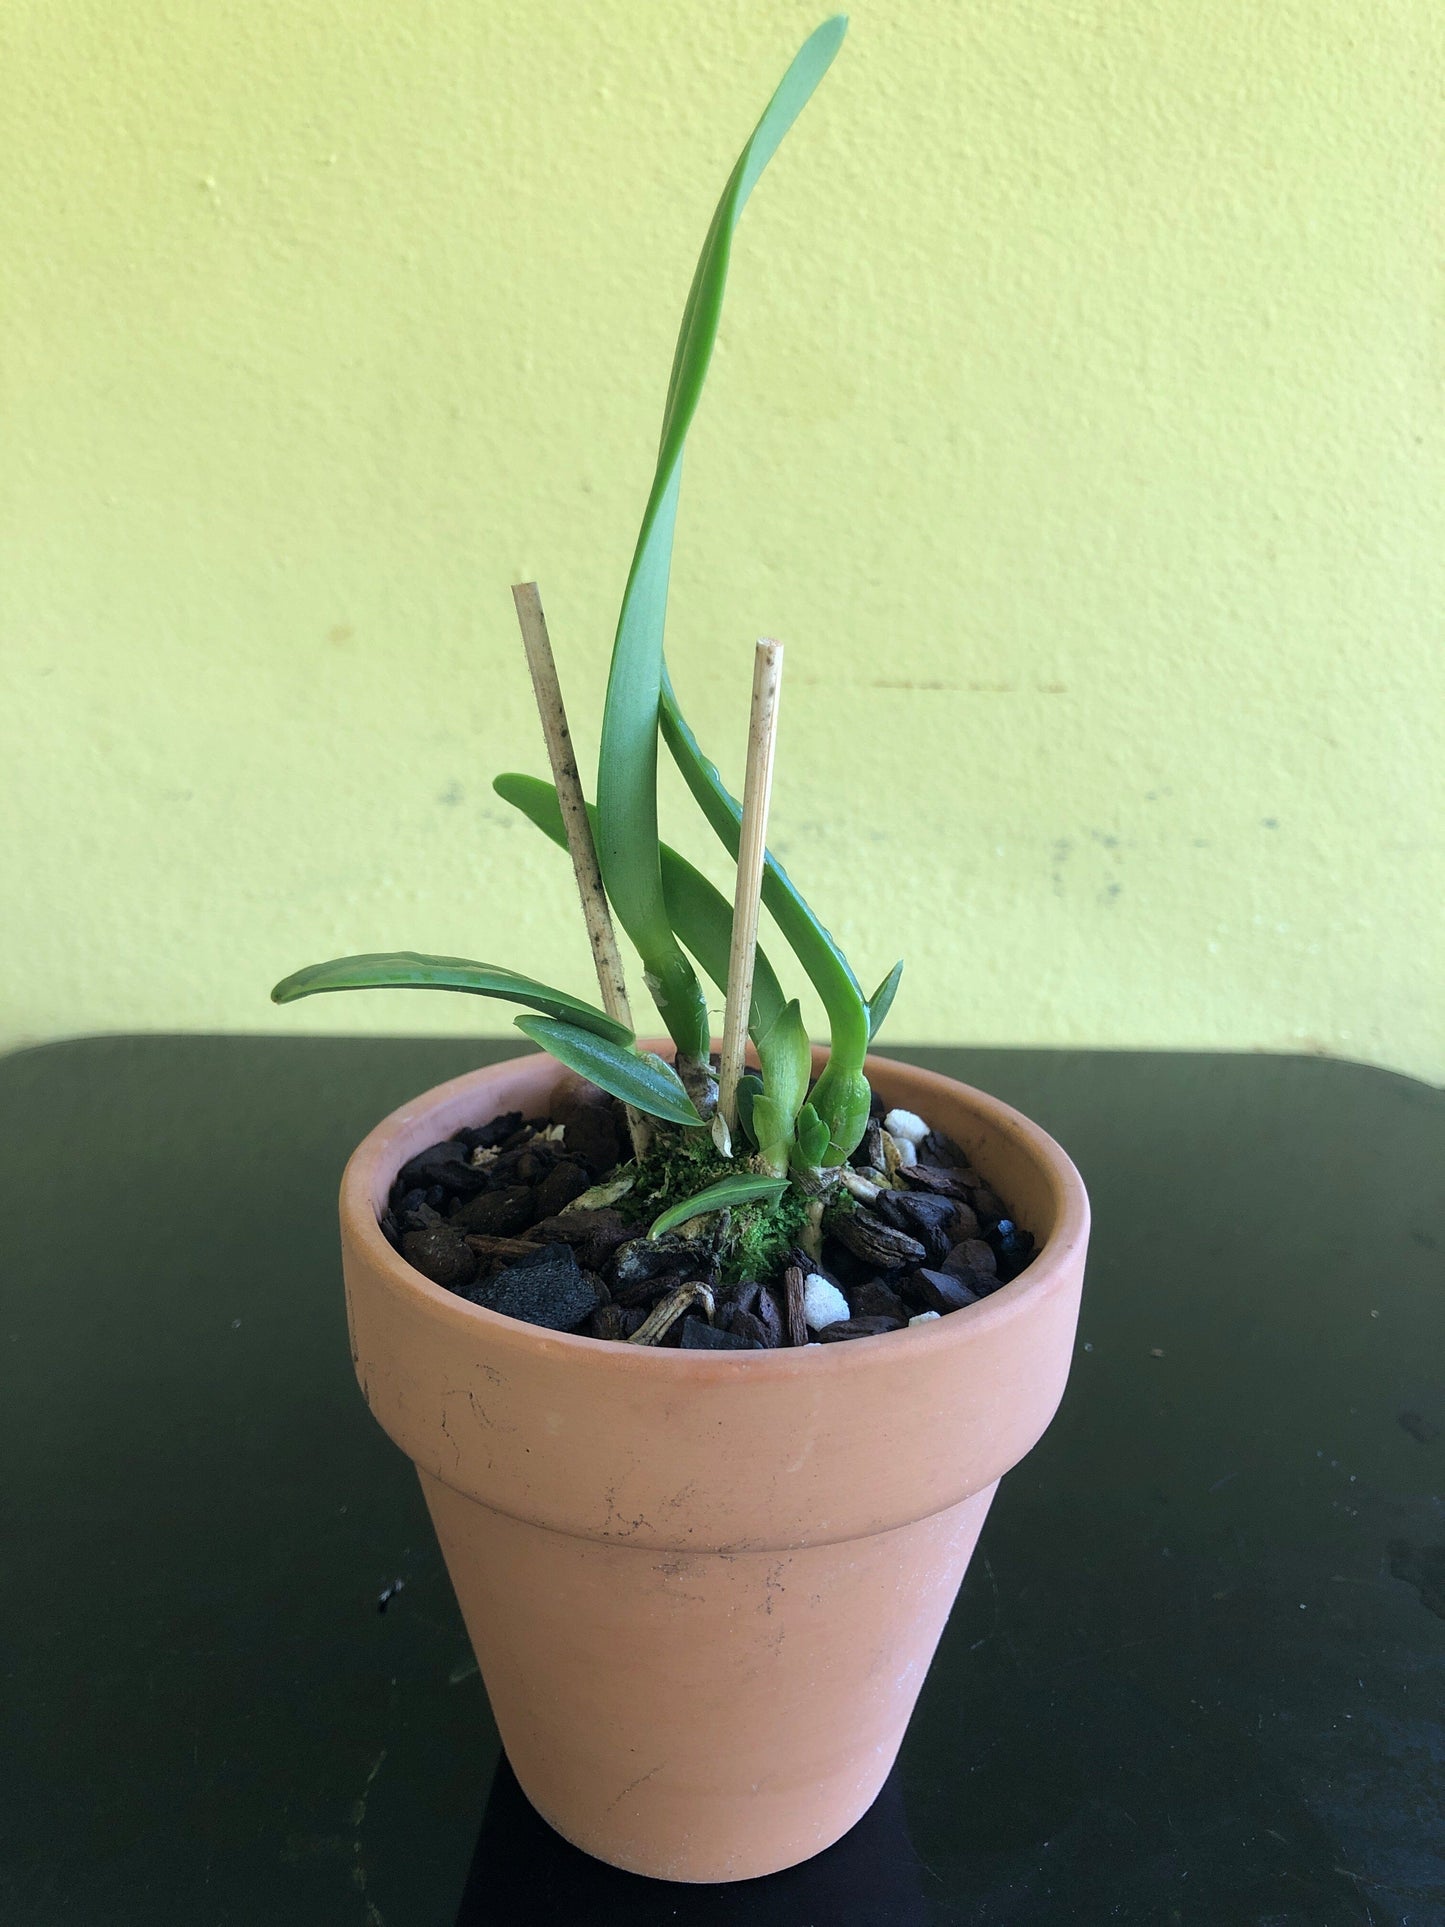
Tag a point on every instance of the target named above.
point(1422, 1567)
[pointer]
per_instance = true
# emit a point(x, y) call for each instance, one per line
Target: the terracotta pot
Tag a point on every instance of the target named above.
point(704, 1588)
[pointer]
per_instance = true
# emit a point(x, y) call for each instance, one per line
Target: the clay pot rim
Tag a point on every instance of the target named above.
point(362, 1183)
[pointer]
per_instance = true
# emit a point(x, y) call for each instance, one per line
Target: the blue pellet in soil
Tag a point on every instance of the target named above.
point(1014, 1247)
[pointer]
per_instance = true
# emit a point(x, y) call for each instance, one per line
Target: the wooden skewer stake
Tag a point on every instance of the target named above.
point(752, 848)
point(585, 867)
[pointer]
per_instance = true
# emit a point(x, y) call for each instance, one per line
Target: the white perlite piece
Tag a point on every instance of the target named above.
point(823, 1304)
point(906, 1127)
point(922, 1317)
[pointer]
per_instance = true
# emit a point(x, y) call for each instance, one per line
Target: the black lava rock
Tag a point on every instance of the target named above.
point(989, 1206)
point(416, 1209)
point(486, 1137)
point(699, 1336)
point(591, 1136)
point(531, 1164)
point(446, 1165)
point(550, 1290)
point(439, 1254)
point(874, 1299)
point(971, 1254)
point(593, 1235)
point(615, 1321)
point(496, 1214)
point(746, 1324)
point(561, 1185)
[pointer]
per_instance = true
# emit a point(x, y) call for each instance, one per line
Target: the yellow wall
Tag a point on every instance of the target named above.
point(1077, 422)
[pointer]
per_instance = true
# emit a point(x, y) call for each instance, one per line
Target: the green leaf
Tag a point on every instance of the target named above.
point(637, 1077)
point(407, 970)
point(700, 915)
point(720, 1197)
point(835, 1093)
point(881, 1002)
point(627, 843)
point(812, 1139)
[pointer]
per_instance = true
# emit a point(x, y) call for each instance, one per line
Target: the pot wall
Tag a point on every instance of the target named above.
point(704, 1588)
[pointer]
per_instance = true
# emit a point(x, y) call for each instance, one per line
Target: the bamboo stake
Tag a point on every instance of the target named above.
point(752, 849)
point(585, 867)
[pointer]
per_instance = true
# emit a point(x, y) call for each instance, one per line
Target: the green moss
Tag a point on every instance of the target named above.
point(761, 1236)
point(679, 1164)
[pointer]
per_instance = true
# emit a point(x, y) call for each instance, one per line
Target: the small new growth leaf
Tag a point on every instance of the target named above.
point(719, 1197)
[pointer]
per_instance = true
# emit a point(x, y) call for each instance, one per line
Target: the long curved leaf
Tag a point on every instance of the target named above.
point(719, 1197)
point(637, 1077)
point(408, 970)
point(700, 915)
point(627, 769)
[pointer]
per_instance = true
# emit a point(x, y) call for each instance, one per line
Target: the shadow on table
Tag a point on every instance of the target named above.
point(524, 1873)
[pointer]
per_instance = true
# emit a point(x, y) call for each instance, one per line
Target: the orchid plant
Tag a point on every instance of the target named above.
point(793, 1130)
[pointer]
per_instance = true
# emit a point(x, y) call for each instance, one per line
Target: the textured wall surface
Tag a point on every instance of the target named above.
point(1077, 422)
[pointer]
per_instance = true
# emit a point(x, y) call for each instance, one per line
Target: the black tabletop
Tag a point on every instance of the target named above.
point(1195, 1674)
